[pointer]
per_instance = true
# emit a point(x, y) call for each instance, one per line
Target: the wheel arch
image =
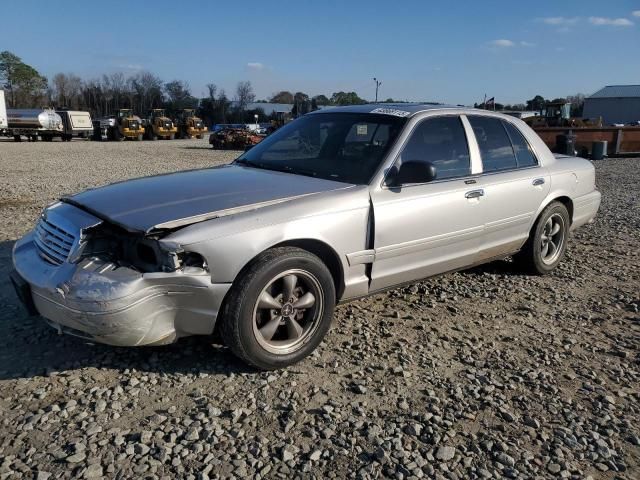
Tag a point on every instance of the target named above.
point(322, 250)
point(567, 202)
point(561, 197)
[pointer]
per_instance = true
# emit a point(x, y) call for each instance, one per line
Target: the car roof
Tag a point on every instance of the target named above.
point(396, 109)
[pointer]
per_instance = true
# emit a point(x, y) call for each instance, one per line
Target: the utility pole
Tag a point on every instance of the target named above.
point(378, 83)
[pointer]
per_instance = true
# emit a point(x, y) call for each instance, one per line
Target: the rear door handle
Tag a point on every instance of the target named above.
point(538, 181)
point(474, 194)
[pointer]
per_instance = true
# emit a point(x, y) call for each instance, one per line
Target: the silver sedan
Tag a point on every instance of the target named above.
point(336, 205)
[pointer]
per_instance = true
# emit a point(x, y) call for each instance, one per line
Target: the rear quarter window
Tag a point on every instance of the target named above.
point(494, 143)
point(522, 149)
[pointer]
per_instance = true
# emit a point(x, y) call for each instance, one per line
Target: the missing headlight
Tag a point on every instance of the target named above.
point(112, 243)
point(146, 254)
point(192, 260)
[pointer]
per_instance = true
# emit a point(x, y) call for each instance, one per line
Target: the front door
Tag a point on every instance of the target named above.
point(422, 229)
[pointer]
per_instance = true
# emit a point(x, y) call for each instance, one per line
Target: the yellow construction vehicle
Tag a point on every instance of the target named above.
point(189, 125)
point(158, 125)
point(124, 125)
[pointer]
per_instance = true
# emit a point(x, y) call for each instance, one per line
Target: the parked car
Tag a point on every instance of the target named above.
point(334, 206)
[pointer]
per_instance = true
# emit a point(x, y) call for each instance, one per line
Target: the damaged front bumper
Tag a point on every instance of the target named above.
point(106, 303)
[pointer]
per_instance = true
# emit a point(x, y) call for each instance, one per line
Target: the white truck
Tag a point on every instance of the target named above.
point(4, 124)
point(75, 123)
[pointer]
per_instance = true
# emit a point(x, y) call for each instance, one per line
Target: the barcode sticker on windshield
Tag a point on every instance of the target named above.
point(391, 111)
point(361, 130)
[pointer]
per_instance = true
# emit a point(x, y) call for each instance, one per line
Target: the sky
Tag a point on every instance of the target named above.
point(446, 51)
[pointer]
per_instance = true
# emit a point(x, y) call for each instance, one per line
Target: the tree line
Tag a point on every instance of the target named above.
point(538, 103)
point(25, 87)
point(142, 91)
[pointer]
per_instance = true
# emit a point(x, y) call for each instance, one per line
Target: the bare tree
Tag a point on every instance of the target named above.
point(244, 94)
point(148, 91)
point(60, 89)
point(212, 88)
point(118, 88)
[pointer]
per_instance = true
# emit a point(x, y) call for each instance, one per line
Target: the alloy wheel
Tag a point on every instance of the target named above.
point(552, 239)
point(288, 311)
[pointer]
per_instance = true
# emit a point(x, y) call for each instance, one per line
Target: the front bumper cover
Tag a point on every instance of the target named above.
point(116, 305)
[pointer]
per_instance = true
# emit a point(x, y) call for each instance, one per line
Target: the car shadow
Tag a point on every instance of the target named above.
point(496, 267)
point(30, 348)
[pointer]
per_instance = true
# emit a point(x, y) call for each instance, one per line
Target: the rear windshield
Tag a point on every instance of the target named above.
point(344, 147)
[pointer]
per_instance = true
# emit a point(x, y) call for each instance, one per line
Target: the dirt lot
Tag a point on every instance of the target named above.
point(481, 374)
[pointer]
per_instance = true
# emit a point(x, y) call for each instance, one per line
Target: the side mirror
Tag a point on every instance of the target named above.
point(412, 171)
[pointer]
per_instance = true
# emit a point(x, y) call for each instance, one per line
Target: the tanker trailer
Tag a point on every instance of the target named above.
point(34, 123)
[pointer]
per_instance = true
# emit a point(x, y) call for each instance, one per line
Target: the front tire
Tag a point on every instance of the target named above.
point(547, 241)
point(279, 309)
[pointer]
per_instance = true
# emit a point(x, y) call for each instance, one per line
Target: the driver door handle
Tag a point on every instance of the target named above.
point(538, 181)
point(474, 194)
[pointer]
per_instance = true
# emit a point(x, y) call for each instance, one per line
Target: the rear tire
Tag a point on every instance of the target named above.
point(279, 308)
point(547, 243)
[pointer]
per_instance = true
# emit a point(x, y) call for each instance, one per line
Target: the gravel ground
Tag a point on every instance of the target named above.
point(480, 374)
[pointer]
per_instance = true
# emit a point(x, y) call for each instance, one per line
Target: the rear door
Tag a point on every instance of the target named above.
point(422, 229)
point(513, 183)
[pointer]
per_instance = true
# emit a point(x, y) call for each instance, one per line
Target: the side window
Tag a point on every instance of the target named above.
point(524, 155)
point(442, 142)
point(495, 146)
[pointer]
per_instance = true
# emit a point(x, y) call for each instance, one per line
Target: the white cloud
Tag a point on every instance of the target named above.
point(613, 22)
point(636, 13)
point(527, 44)
point(130, 66)
point(560, 21)
point(255, 65)
point(503, 43)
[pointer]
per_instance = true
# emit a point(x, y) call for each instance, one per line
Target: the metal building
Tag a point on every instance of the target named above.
point(616, 104)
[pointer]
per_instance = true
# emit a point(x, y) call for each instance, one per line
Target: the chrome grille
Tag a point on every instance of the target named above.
point(53, 242)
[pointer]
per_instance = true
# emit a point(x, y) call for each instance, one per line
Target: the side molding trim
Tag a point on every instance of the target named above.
point(361, 257)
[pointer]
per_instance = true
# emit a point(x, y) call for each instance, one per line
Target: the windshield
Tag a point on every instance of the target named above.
point(344, 147)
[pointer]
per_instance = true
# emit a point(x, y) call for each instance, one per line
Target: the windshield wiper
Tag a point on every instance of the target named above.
point(276, 168)
point(247, 163)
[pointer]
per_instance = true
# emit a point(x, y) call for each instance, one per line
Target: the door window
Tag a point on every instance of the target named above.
point(442, 142)
point(524, 155)
point(494, 143)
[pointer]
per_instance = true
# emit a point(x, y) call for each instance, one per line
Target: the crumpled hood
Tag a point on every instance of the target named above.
point(182, 198)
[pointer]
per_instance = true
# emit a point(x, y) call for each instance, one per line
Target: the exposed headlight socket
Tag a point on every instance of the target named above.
point(194, 260)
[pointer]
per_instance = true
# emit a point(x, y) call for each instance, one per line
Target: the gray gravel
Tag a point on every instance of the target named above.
point(479, 374)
